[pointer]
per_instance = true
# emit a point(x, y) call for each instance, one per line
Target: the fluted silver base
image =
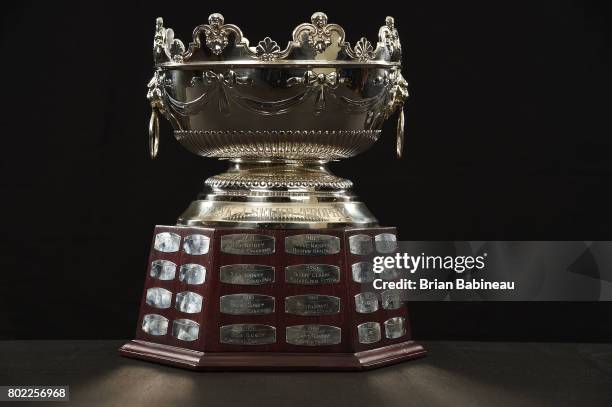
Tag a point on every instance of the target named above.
point(277, 194)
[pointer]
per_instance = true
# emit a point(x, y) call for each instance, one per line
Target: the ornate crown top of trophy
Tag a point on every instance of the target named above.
point(271, 267)
point(278, 115)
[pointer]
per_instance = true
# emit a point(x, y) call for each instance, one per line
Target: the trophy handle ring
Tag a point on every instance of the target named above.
point(154, 133)
point(399, 148)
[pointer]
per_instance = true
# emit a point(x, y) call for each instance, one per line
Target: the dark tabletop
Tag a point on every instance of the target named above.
point(453, 374)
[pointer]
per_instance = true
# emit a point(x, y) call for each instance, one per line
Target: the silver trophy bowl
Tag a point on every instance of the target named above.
point(279, 116)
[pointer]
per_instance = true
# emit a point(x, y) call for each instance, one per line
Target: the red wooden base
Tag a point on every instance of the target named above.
point(286, 299)
point(195, 360)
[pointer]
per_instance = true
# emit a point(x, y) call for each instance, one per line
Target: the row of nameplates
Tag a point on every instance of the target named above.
point(254, 244)
point(260, 304)
point(259, 334)
point(258, 274)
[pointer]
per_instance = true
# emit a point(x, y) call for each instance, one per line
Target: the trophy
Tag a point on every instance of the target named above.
point(271, 266)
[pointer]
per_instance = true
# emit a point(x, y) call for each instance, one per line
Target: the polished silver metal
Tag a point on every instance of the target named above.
point(247, 334)
point(163, 269)
point(366, 303)
point(155, 325)
point(363, 272)
point(369, 332)
point(312, 305)
point(391, 299)
point(313, 335)
point(167, 242)
point(247, 244)
point(279, 115)
point(192, 273)
point(185, 329)
point(189, 302)
point(246, 304)
point(361, 244)
point(246, 274)
point(158, 297)
point(395, 327)
point(385, 242)
point(312, 274)
point(196, 244)
point(312, 244)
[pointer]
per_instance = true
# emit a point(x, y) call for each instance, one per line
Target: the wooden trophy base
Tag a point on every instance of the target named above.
point(270, 299)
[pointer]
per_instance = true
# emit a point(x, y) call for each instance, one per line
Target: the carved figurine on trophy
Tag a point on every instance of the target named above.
point(270, 268)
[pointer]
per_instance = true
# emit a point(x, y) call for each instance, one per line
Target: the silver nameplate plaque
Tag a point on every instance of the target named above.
point(167, 242)
point(163, 269)
point(369, 332)
point(246, 274)
point(312, 274)
point(154, 324)
point(385, 242)
point(247, 334)
point(312, 305)
point(363, 272)
point(247, 244)
point(246, 304)
point(366, 303)
point(395, 327)
point(192, 273)
point(196, 244)
point(361, 244)
point(158, 297)
point(312, 245)
point(313, 335)
point(391, 299)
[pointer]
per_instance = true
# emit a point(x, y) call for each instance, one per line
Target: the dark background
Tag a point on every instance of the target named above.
point(508, 137)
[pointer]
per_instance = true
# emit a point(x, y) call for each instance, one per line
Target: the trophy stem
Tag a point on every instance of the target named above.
point(277, 193)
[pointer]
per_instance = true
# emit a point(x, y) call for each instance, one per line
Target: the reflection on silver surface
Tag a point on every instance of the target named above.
point(154, 324)
point(369, 332)
point(366, 303)
point(159, 297)
point(363, 272)
point(192, 273)
point(312, 274)
point(185, 329)
point(391, 299)
point(246, 304)
point(312, 244)
point(247, 244)
point(166, 242)
point(196, 244)
point(162, 269)
point(312, 305)
point(246, 274)
point(361, 244)
point(247, 334)
point(385, 242)
point(395, 327)
point(189, 302)
point(313, 335)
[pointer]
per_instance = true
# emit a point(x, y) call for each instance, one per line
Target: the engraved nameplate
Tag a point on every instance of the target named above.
point(361, 244)
point(369, 332)
point(311, 274)
point(313, 335)
point(312, 304)
point(246, 304)
point(247, 244)
point(246, 274)
point(363, 272)
point(166, 242)
point(391, 299)
point(247, 334)
point(312, 245)
point(395, 327)
point(366, 303)
point(385, 242)
point(196, 244)
point(163, 269)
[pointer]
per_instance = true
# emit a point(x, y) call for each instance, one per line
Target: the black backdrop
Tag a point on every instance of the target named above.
point(508, 137)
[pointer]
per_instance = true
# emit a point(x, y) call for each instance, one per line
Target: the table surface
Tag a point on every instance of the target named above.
point(453, 374)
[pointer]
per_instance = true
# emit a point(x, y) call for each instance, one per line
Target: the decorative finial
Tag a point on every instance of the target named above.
point(216, 19)
point(319, 19)
point(390, 22)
